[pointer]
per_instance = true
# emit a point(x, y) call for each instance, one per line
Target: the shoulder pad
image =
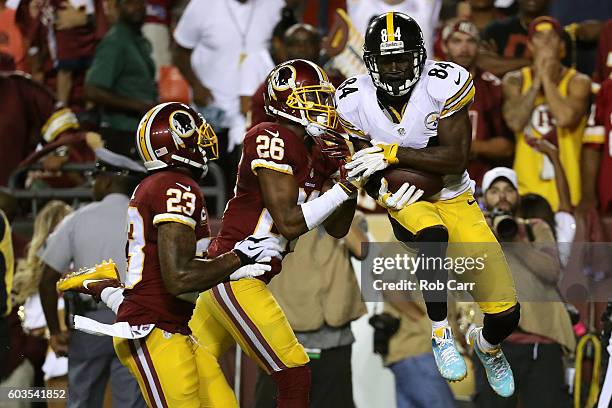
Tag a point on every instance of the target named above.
point(444, 79)
point(350, 92)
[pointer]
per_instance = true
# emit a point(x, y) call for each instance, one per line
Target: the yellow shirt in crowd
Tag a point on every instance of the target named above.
point(534, 175)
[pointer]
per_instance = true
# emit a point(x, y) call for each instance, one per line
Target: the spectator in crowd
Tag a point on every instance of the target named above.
point(32, 117)
point(6, 283)
point(11, 39)
point(546, 100)
point(483, 12)
point(504, 46)
point(156, 29)
point(210, 54)
point(91, 234)
point(75, 44)
point(36, 357)
point(597, 156)
point(562, 223)
point(425, 13)
point(10, 206)
point(62, 36)
point(300, 41)
point(257, 66)
point(603, 64)
point(121, 80)
point(492, 142)
point(536, 349)
point(418, 382)
point(320, 310)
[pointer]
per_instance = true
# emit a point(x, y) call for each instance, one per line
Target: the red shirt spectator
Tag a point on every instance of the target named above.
point(487, 120)
point(31, 114)
point(603, 67)
point(11, 40)
point(603, 117)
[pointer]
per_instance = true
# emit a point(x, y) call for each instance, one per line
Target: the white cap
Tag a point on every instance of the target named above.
point(493, 174)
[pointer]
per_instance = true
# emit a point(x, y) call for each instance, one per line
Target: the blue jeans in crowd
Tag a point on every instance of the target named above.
point(418, 384)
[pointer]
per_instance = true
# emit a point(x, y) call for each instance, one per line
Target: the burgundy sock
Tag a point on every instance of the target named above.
point(293, 387)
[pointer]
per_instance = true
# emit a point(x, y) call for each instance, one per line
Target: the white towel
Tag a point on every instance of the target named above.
point(120, 329)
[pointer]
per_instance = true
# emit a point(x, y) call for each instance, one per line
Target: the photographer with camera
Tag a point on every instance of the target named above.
point(402, 337)
point(536, 348)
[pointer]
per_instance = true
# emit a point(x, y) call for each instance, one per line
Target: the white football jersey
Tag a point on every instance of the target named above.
point(444, 88)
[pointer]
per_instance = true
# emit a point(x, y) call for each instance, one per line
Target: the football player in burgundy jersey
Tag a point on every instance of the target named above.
point(281, 178)
point(282, 172)
point(167, 221)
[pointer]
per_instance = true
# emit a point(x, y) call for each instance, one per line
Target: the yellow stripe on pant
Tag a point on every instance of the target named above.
point(494, 289)
point(173, 370)
point(246, 312)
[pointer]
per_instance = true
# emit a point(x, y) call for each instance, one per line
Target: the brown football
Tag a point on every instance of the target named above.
point(430, 183)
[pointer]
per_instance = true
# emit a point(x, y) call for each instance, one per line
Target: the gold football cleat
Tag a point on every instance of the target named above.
point(80, 279)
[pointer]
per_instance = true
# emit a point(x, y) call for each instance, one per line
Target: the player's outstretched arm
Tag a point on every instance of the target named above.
point(452, 154)
point(339, 222)
point(182, 272)
point(280, 196)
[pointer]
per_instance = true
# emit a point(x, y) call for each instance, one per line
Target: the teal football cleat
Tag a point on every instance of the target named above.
point(499, 372)
point(449, 361)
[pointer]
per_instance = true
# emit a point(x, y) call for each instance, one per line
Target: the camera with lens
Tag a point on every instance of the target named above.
point(606, 319)
point(385, 326)
point(505, 225)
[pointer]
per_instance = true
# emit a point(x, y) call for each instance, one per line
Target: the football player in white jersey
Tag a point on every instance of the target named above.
point(414, 112)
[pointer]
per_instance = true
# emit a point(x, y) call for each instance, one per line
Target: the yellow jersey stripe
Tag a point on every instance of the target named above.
point(468, 91)
point(390, 27)
point(349, 127)
point(170, 217)
point(464, 101)
point(395, 113)
point(460, 92)
point(594, 134)
point(258, 163)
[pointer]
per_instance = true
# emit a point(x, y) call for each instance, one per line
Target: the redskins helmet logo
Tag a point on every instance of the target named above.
point(284, 78)
point(182, 125)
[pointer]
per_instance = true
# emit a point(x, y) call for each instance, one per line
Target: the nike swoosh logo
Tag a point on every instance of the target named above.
point(458, 81)
point(273, 134)
point(88, 281)
point(188, 188)
point(470, 202)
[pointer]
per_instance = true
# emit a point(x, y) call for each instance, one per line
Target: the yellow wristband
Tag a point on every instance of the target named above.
point(390, 152)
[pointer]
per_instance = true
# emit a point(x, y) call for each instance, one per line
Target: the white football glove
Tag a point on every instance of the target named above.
point(254, 248)
point(368, 161)
point(407, 194)
point(252, 271)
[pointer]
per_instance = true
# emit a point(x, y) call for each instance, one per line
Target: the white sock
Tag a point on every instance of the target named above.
point(483, 344)
point(438, 325)
point(112, 297)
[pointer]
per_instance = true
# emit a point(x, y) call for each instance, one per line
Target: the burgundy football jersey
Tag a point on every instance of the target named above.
point(487, 120)
point(603, 117)
point(166, 196)
point(272, 146)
